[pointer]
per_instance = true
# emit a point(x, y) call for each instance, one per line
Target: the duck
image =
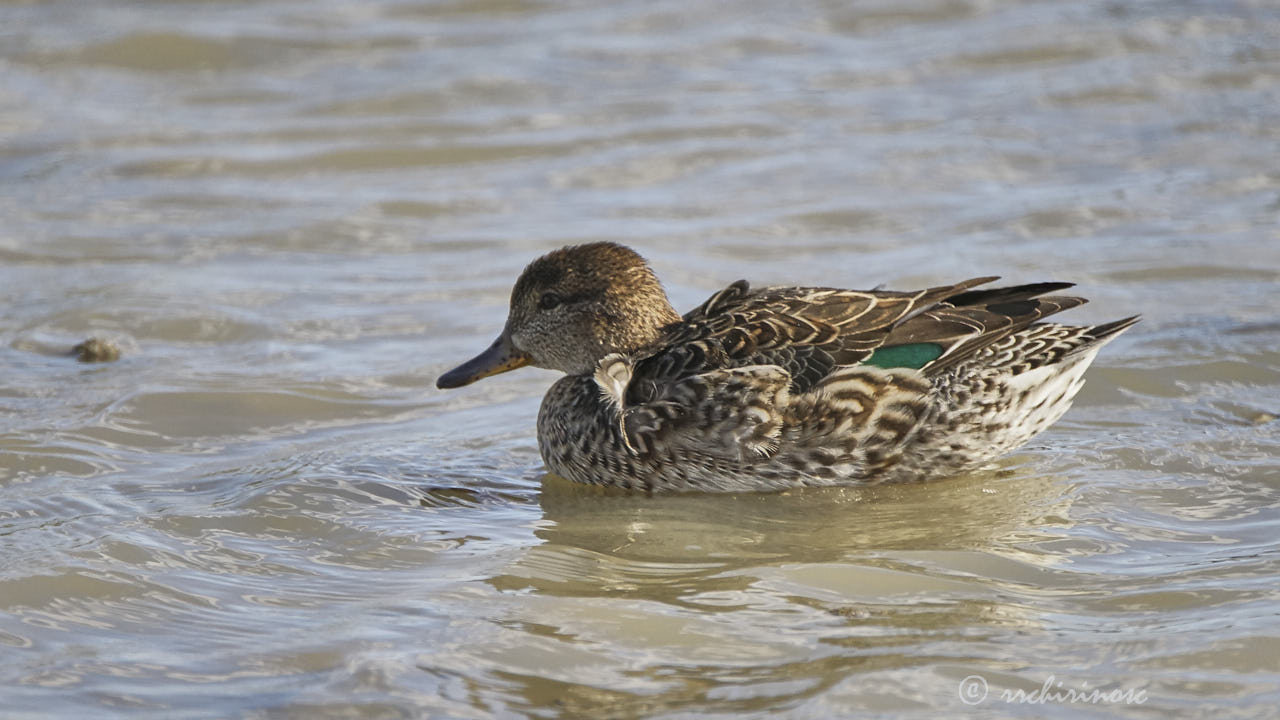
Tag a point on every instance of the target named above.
point(780, 387)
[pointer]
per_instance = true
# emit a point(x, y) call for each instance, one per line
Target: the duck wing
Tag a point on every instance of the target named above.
point(719, 380)
point(807, 332)
point(957, 328)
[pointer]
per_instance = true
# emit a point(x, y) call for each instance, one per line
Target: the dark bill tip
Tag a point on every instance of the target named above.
point(500, 357)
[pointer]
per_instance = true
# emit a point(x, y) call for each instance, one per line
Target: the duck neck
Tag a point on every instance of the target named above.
point(643, 325)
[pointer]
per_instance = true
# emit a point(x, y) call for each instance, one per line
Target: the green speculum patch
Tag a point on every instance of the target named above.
point(914, 356)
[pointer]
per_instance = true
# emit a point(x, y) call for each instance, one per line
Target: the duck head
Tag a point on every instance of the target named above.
point(569, 309)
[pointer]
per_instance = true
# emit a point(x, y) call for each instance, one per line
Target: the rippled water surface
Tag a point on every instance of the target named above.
point(292, 216)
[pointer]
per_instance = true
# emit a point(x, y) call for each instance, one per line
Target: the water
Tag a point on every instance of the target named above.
point(293, 216)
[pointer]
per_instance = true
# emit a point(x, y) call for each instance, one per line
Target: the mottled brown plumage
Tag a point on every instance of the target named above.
point(764, 389)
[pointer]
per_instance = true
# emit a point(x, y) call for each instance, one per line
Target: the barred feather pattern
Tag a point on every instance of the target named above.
point(744, 428)
point(767, 389)
point(997, 400)
point(739, 429)
point(807, 332)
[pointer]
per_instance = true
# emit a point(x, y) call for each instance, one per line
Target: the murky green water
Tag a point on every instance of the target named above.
point(293, 215)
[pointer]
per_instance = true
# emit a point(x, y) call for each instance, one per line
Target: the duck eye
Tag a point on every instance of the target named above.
point(549, 300)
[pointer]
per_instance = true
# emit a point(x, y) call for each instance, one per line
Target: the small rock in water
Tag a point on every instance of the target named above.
point(96, 350)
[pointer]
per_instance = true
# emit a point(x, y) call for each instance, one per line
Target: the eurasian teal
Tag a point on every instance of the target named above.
point(779, 387)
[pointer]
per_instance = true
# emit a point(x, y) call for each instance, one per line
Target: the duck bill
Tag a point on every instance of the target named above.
point(500, 357)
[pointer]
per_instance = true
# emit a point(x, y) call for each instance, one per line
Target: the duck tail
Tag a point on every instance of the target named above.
point(1100, 335)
